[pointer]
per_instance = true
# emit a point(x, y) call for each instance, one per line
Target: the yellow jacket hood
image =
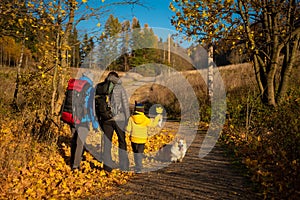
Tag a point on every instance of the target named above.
point(140, 118)
point(137, 126)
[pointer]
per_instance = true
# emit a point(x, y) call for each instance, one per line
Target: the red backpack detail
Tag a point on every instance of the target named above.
point(73, 108)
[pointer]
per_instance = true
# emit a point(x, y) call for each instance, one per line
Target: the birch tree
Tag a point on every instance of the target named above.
point(269, 29)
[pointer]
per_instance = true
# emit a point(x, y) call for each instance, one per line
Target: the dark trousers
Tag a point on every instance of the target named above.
point(138, 150)
point(79, 135)
point(108, 128)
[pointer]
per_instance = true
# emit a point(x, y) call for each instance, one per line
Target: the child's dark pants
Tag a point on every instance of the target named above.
point(138, 150)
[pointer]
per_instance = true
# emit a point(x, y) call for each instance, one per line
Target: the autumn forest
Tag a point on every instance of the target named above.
point(255, 50)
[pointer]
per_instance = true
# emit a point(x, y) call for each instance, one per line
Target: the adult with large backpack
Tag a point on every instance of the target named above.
point(112, 110)
point(78, 112)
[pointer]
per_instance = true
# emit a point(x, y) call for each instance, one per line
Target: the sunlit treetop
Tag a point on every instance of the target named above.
point(203, 20)
point(263, 29)
point(209, 21)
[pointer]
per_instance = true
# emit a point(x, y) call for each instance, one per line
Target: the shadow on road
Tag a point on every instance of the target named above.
point(213, 177)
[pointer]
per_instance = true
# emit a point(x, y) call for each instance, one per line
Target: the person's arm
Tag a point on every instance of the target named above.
point(125, 104)
point(129, 127)
point(155, 121)
point(158, 118)
point(91, 103)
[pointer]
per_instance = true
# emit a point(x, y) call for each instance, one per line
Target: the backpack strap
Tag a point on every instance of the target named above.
point(110, 88)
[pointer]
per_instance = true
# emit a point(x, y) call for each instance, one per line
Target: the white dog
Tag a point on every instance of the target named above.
point(178, 150)
point(172, 152)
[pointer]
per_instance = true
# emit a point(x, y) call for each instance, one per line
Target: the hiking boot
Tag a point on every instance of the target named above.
point(110, 167)
point(107, 168)
point(75, 168)
point(138, 171)
point(125, 169)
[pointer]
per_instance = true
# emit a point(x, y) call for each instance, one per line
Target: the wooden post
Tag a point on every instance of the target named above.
point(169, 53)
point(210, 71)
point(169, 49)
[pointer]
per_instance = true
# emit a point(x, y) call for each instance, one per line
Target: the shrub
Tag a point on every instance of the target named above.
point(270, 145)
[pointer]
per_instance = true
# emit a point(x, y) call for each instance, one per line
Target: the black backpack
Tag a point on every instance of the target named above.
point(73, 108)
point(102, 101)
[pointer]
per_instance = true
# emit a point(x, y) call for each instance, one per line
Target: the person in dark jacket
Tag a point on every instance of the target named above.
point(120, 109)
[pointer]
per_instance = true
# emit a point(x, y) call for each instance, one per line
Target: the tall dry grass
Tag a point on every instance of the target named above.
point(235, 78)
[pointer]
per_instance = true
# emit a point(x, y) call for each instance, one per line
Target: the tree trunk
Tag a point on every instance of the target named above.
point(16, 92)
point(9, 59)
point(286, 70)
point(57, 96)
point(260, 77)
point(1, 56)
point(54, 81)
point(73, 55)
point(271, 70)
point(271, 87)
point(126, 68)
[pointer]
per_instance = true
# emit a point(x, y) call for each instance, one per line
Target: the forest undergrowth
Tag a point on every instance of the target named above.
point(267, 141)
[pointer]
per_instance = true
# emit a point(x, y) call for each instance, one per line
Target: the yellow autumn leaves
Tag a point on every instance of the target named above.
point(37, 170)
point(40, 170)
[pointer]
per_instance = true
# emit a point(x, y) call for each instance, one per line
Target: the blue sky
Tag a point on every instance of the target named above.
point(155, 13)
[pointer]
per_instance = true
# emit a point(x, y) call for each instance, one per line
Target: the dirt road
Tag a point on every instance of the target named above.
point(213, 177)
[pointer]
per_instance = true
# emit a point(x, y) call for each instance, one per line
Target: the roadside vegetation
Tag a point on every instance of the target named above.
point(264, 139)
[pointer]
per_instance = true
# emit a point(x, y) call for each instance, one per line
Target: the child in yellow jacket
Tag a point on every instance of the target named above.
point(137, 129)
